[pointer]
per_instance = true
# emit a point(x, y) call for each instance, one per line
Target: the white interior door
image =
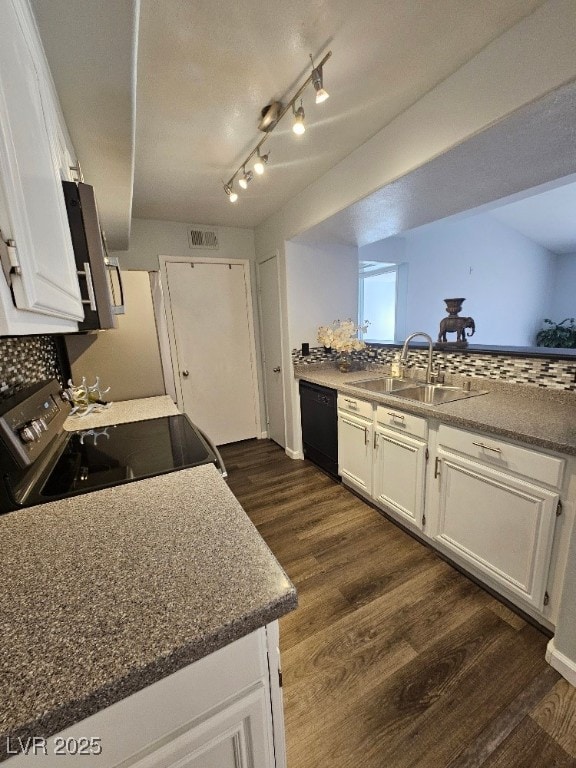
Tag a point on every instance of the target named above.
point(213, 346)
point(271, 340)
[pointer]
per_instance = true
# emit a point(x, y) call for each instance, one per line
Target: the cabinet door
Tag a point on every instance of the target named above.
point(399, 472)
point(30, 176)
point(501, 525)
point(235, 736)
point(355, 451)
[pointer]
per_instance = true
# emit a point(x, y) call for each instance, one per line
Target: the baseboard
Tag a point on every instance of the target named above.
point(294, 454)
point(263, 435)
point(561, 663)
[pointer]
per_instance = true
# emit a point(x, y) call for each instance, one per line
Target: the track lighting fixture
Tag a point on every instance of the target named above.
point(232, 196)
point(270, 116)
point(261, 161)
point(298, 126)
point(245, 179)
point(318, 83)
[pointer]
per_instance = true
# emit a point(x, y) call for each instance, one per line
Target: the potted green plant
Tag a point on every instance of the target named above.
point(557, 334)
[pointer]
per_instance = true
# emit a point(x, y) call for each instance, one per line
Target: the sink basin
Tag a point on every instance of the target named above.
point(384, 385)
point(436, 394)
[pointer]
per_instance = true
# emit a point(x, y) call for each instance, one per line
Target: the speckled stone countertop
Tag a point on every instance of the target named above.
point(544, 418)
point(108, 592)
point(124, 411)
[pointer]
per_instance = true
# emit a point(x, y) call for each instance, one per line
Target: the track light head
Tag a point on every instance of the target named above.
point(261, 161)
point(298, 127)
point(245, 179)
point(318, 83)
point(232, 196)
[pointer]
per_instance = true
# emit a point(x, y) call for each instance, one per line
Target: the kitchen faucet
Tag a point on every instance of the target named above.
point(430, 374)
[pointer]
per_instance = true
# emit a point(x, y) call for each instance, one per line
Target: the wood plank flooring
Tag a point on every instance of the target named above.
point(394, 659)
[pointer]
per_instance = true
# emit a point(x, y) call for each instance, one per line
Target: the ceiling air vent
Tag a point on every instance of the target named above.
point(203, 238)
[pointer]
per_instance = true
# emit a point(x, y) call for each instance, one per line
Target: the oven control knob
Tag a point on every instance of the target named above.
point(39, 426)
point(27, 435)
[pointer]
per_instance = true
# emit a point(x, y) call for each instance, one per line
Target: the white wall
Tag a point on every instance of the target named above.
point(506, 279)
point(564, 304)
point(322, 286)
point(151, 238)
point(126, 358)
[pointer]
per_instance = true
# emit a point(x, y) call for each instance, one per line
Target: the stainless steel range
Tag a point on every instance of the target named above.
point(40, 461)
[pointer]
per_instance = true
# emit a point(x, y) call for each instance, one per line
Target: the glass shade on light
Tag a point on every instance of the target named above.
point(261, 161)
point(299, 126)
point(232, 196)
point(245, 179)
point(321, 95)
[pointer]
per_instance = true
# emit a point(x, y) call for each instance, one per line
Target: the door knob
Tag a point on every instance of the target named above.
point(186, 373)
point(277, 369)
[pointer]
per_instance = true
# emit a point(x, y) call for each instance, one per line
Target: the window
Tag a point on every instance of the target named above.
point(377, 300)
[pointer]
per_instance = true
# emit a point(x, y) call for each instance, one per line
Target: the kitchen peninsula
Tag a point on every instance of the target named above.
point(486, 480)
point(138, 607)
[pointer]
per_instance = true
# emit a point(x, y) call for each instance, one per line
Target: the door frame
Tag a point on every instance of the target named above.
point(259, 262)
point(245, 264)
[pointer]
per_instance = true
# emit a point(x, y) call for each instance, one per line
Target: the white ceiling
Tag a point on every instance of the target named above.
point(548, 218)
point(206, 68)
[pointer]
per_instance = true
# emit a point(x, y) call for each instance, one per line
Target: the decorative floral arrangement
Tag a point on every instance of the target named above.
point(342, 335)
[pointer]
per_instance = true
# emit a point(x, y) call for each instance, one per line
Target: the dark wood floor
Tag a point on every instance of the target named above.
point(393, 659)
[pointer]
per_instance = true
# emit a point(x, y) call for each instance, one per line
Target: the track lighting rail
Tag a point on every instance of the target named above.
point(315, 77)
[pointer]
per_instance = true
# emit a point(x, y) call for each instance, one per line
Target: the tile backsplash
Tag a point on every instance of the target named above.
point(26, 360)
point(545, 372)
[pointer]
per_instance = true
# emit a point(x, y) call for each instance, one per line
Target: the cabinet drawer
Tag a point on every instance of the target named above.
point(403, 422)
point(353, 405)
point(537, 466)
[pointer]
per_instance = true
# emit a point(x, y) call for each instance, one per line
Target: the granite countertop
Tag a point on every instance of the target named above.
point(124, 411)
point(544, 418)
point(106, 593)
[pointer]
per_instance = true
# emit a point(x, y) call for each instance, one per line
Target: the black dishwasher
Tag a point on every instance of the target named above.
point(319, 426)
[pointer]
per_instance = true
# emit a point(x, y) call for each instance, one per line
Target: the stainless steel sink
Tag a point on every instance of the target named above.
point(436, 394)
point(384, 385)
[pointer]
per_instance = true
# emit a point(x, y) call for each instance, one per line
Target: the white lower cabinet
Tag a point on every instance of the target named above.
point(232, 737)
point(400, 453)
point(399, 474)
point(355, 439)
point(223, 711)
point(490, 505)
point(491, 518)
point(500, 524)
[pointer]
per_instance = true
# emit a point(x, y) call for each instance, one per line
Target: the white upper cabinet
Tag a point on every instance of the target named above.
point(34, 158)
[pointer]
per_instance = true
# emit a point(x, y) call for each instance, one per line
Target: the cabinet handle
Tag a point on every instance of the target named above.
point(351, 403)
point(365, 435)
point(375, 440)
point(488, 447)
point(437, 467)
point(87, 272)
point(398, 416)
